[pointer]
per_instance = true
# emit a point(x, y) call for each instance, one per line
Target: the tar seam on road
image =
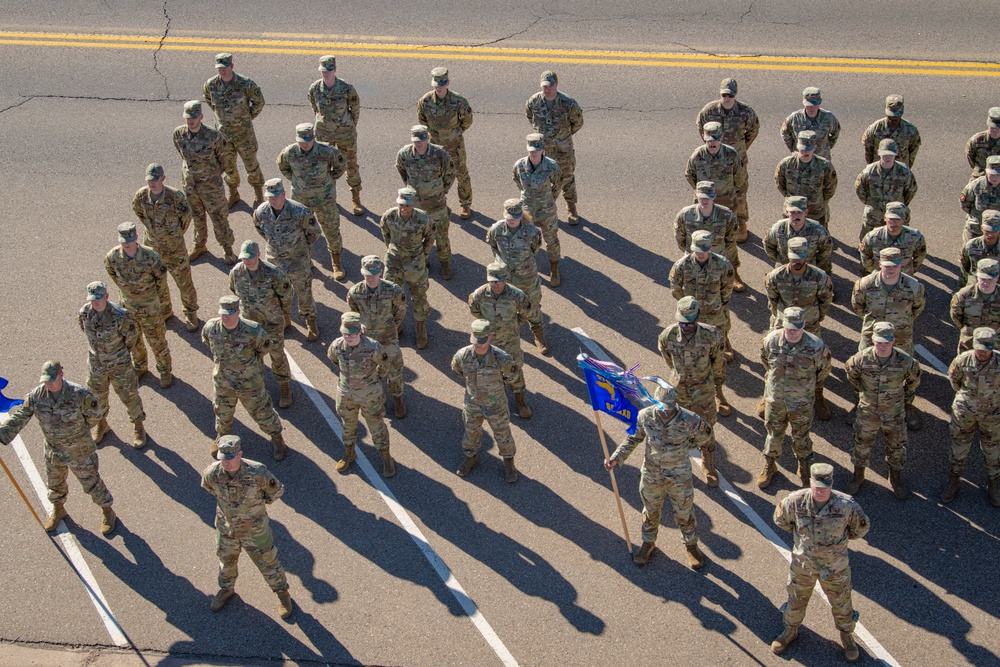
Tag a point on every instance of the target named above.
point(442, 570)
point(931, 359)
point(872, 644)
point(366, 48)
point(71, 549)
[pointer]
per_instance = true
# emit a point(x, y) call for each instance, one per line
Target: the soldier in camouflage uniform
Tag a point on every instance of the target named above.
point(237, 101)
point(721, 164)
point(485, 369)
point(669, 431)
point(984, 144)
point(361, 363)
point(290, 229)
point(66, 414)
point(975, 377)
point(807, 175)
point(165, 215)
point(337, 109)
point(796, 363)
point(980, 195)
point(982, 246)
point(881, 182)
point(409, 237)
point(204, 157)
point(558, 117)
point(515, 242)
point(428, 169)
point(707, 215)
point(138, 273)
point(382, 306)
point(822, 521)
point(812, 117)
point(506, 308)
point(313, 167)
point(447, 117)
point(538, 178)
point(904, 133)
point(894, 234)
point(238, 346)
point(797, 225)
point(977, 304)
point(886, 379)
point(265, 295)
point(111, 335)
point(694, 354)
point(708, 277)
point(242, 489)
point(740, 124)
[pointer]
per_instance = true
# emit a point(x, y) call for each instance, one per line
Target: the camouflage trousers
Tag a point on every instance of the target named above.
point(963, 427)
point(149, 317)
point(122, 377)
point(209, 197)
point(802, 576)
point(737, 203)
point(718, 319)
point(456, 149)
point(57, 467)
point(547, 221)
point(658, 483)
point(701, 401)
point(777, 418)
point(347, 143)
point(394, 376)
point(324, 207)
point(299, 272)
point(244, 142)
point(255, 399)
point(972, 230)
point(441, 217)
point(532, 287)
point(512, 346)
point(279, 361)
point(567, 163)
point(259, 545)
point(180, 269)
point(868, 423)
point(371, 404)
point(871, 219)
point(498, 417)
point(413, 272)
point(822, 216)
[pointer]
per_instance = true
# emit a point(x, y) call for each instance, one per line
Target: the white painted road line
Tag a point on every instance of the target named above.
point(375, 479)
point(874, 647)
point(71, 548)
point(931, 359)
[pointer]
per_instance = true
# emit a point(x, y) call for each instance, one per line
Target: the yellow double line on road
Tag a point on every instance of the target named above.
point(381, 49)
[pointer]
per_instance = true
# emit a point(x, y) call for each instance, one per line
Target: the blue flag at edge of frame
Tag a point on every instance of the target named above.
point(606, 397)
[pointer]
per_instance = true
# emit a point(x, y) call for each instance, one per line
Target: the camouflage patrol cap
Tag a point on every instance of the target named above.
point(513, 209)
point(249, 249)
point(154, 172)
point(687, 310)
point(984, 338)
point(884, 332)
point(536, 141)
point(894, 106)
point(96, 291)
point(273, 187)
point(350, 323)
point(896, 209)
point(806, 140)
point(701, 241)
point(728, 86)
point(126, 232)
point(665, 394)
point(419, 132)
point(993, 164)
point(821, 475)
point(991, 221)
point(993, 117)
point(890, 257)
point(798, 248)
point(496, 272)
point(371, 265)
point(192, 109)
point(549, 78)
point(705, 190)
point(229, 305)
point(224, 60)
point(987, 268)
point(793, 317)
point(812, 96)
point(797, 204)
point(481, 330)
point(327, 63)
point(439, 75)
point(888, 147)
point(712, 130)
point(50, 371)
point(229, 447)
point(304, 132)
point(406, 196)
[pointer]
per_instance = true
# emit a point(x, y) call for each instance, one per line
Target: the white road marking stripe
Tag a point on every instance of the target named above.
point(931, 359)
point(375, 479)
point(71, 549)
point(872, 644)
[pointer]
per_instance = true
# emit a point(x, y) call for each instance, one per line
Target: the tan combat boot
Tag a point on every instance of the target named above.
point(914, 420)
point(446, 271)
point(855, 483)
point(574, 217)
point(312, 330)
point(191, 322)
point(554, 279)
point(399, 406)
point(896, 482)
point(356, 201)
point(280, 449)
point(57, 514)
point(696, 559)
point(509, 471)
point(644, 553)
point(722, 405)
point(466, 212)
point(166, 379)
point(522, 405)
point(284, 604)
point(951, 488)
point(234, 195)
point(761, 407)
point(338, 270)
point(220, 599)
point(468, 464)
point(350, 456)
point(108, 520)
point(803, 471)
point(851, 652)
point(782, 641)
point(101, 430)
point(741, 234)
point(730, 353)
point(258, 196)
point(139, 436)
point(228, 256)
point(820, 407)
point(993, 491)
point(421, 334)
point(765, 476)
point(708, 467)
point(285, 396)
point(388, 465)
point(540, 342)
point(738, 284)
point(197, 251)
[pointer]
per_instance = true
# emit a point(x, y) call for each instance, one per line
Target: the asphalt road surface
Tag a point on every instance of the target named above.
point(430, 569)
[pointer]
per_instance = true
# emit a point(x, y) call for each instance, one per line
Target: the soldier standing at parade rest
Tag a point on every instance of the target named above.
point(448, 117)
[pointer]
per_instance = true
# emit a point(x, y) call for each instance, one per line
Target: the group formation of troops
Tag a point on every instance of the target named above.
point(253, 317)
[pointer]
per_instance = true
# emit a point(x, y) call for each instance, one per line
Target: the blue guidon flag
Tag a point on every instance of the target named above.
point(7, 403)
point(615, 390)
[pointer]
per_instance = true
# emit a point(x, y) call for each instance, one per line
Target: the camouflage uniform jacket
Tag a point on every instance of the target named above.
point(484, 378)
point(446, 119)
point(137, 277)
point(740, 124)
point(815, 180)
point(667, 438)
point(825, 125)
point(877, 187)
point(314, 172)
point(165, 219)
point(977, 149)
point(821, 535)
point(874, 303)
point(289, 232)
point(906, 136)
point(237, 353)
point(360, 367)
point(65, 417)
point(978, 196)
point(721, 222)
point(711, 284)
point(204, 153)
point(506, 311)
point(558, 123)
point(812, 292)
point(975, 250)
point(976, 385)
point(516, 247)
point(241, 498)
point(382, 309)
point(792, 371)
point(696, 361)
point(111, 335)
point(235, 103)
point(910, 242)
point(539, 184)
point(820, 241)
point(883, 386)
point(265, 294)
point(971, 308)
point(337, 108)
point(407, 237)
point(725, 169)
point(431, 174)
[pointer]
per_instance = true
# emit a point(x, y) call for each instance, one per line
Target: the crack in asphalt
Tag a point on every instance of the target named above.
point(159, 47)
point(746, 13)
point(492, 41)
point(16, 105)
